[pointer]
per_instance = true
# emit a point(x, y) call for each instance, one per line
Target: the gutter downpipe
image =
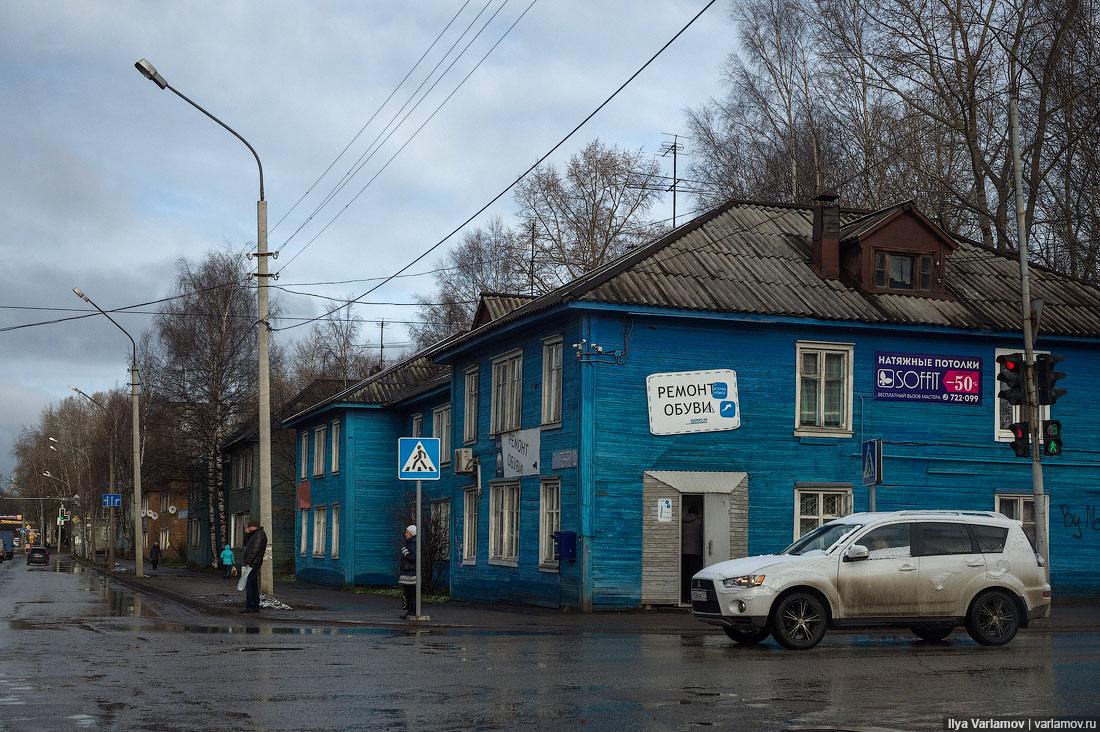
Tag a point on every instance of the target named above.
point(586, 474)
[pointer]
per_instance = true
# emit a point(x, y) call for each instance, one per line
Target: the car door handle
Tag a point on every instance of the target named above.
point(907, 567)
point(975, 563)
point(710, 548)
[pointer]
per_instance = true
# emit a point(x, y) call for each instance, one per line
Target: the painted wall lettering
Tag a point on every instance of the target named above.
point(1080, 524)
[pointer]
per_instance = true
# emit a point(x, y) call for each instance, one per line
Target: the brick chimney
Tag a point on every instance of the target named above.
point(826, 238)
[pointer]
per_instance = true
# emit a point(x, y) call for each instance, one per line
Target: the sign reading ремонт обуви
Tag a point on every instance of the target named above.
point(682, 402)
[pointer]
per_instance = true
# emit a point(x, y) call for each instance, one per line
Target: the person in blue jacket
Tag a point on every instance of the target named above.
point(407, 578)
point(229, 563)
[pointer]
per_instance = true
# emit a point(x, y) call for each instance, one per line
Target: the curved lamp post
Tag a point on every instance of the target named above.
point(86, 530)
point(139, 566)
point(61, 508)
point(266, 578)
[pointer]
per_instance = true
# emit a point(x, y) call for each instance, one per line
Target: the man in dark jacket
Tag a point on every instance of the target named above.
point(253, 556)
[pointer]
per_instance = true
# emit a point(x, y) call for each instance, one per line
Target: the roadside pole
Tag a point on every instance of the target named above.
point(419, 531)
point(1034, 418)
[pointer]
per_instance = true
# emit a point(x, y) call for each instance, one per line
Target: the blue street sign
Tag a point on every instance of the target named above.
point(112, 499)
point(418, 458)
point(871, 462)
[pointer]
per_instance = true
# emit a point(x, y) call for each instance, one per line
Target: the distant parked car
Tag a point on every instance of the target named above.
point(929, 571)
point(38, 555)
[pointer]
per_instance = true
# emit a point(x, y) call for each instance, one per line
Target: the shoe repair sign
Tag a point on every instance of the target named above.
point(692, 401)
point(921, 377)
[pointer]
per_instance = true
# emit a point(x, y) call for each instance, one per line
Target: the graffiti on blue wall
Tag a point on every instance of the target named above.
point(1089, 522)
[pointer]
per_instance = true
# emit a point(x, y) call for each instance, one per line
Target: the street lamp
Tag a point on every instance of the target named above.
point(111, 540)
point(61, 508)
point(266, 578)
point(139, 566)
point(86, 530)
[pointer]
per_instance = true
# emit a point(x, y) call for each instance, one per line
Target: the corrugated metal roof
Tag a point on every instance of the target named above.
point(753, 257)
point(497, 304)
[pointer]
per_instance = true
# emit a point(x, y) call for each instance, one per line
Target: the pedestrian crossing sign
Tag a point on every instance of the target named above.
point(418, 458)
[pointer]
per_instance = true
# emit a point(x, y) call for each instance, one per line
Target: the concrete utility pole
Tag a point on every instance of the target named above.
point(264, 382)
point(1034, 418)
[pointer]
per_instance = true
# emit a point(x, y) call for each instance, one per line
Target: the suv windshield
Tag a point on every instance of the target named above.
point(821, 538)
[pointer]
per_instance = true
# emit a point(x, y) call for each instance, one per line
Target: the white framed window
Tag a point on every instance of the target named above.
point(1021, 507)
point(816, 504)
point(823, 389)
point(507, 396)
point(164, 538)
point(441, 523)
point(319, 451)
point(193, 532)
point(335, 467)
point(504, 523)
point(469, 526)
point(418, 425)
point(248, 469)
point(469, 414)
point(334, 550)
point(145, 504)
point(305, 453)
point(1005, 413)
point(319, 517)
point(164, 502)
point(441, 428)
point(236, 529)
point(549, 521)
point(145, 539)
point(305, 530)
point(551, 381)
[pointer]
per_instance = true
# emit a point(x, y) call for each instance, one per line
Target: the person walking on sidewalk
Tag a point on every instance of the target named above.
point(154, 554)
point(407, 578)
point(253, 558)
point(229, 563)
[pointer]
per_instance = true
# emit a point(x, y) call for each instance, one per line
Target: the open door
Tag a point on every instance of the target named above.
point(716, 528)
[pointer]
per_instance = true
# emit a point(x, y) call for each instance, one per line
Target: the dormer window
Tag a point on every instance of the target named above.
point(898, 271)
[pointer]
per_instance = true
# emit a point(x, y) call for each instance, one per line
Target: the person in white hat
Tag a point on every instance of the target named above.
point(407, 578)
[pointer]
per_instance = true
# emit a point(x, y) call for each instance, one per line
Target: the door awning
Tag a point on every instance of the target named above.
point(699, 481)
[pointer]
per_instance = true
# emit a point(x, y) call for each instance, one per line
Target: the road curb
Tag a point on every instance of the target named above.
point(149, 588)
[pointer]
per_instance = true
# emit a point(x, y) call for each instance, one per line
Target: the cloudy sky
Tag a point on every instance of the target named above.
point(106, 180)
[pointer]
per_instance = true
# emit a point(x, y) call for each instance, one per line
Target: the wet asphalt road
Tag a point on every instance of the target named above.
point(77, 652)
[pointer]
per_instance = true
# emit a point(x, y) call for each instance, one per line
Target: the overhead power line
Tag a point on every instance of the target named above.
point(538, 162)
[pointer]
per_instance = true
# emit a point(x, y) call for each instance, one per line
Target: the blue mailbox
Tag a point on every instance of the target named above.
point(565, 545)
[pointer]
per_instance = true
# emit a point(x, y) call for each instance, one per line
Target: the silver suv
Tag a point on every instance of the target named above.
point(930, 571)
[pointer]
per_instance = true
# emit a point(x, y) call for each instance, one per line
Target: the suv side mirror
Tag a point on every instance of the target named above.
point(855, 552)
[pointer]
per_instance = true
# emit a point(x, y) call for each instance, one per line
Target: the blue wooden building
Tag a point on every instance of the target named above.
point(734, 367)
point(350, 506)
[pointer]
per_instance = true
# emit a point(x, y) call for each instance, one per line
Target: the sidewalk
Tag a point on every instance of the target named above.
point(204, 590)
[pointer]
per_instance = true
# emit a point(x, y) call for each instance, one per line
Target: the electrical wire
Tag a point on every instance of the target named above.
point(538, 162)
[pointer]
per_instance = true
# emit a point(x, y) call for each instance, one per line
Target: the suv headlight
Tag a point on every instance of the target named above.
point(749, 580)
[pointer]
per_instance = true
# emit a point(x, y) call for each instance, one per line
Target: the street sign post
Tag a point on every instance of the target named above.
point(418, 459)
point(871, 463)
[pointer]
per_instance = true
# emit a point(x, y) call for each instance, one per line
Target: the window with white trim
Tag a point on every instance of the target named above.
point(319, 451)
point(305, 453)
point(1007, 413)
point(145, 539)
point(334, 550)
point(441, 428)
point(305, 530)
point(551, 381)
point(815, 506)
point(418, 425)
point(164, 538)
point(549, 520)
point(163, 502)
point(823, 389)
point(441, 526)
point(504, 523)
point(335, 467)
point(469, 416)
point(469, 526)
point(145, 505)
point(1021, 507)
point(507, 396)
point(193, 532)
point(248, 469)
point(319, 517)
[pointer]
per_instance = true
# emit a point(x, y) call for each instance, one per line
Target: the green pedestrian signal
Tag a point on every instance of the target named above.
point(1052, 437)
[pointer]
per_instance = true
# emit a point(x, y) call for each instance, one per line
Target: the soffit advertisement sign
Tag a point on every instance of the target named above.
point(921, 377)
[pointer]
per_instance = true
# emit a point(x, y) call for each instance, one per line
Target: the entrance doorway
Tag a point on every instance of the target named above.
point(691, 541)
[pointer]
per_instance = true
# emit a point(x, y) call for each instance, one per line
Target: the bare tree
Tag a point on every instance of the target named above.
point(332, 349)
point(592, 212)
point(204, 364)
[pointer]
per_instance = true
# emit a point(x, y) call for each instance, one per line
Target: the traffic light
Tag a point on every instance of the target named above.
point(1014, 375)
point(1021, 438)
point(1052, 437)
point(1045, 377)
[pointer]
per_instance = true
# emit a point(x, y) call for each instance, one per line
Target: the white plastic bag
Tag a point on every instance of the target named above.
point(244, 577)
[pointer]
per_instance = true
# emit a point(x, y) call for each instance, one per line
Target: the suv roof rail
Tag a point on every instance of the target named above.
point(940, 512)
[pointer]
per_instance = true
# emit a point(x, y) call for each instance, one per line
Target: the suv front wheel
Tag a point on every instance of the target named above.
point(798, 621)
point(993, 619)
